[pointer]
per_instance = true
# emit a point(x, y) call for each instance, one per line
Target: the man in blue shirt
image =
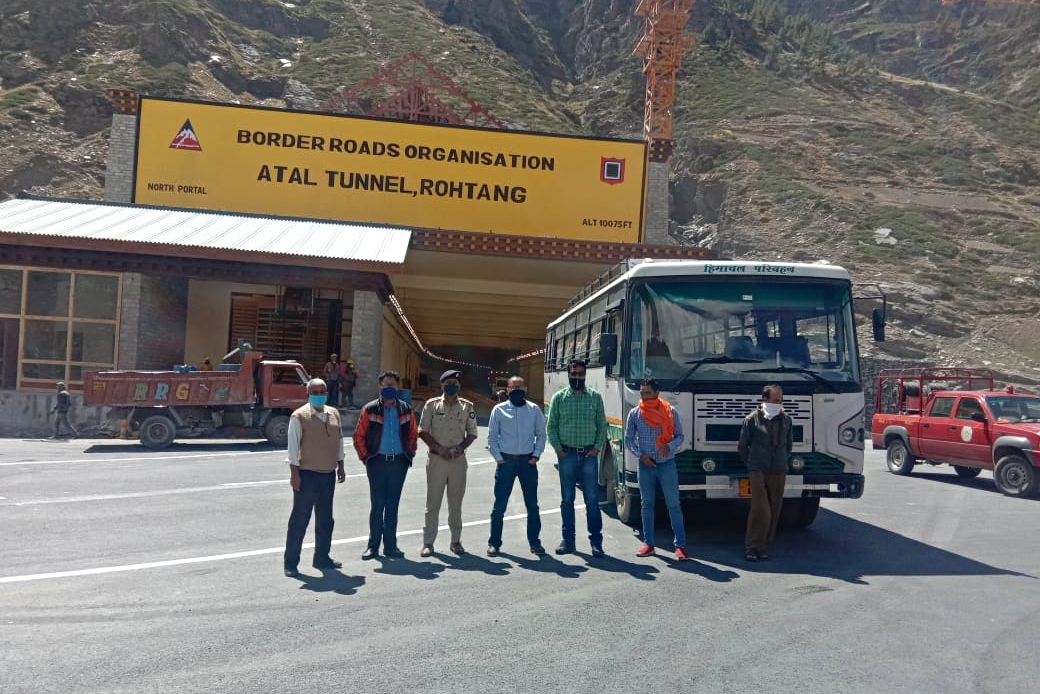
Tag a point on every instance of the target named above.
point(516, 437)
point(653, 433)
point(385, 439)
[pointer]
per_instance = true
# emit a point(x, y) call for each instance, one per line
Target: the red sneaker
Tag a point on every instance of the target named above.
point(644, 551)
point(680, 554)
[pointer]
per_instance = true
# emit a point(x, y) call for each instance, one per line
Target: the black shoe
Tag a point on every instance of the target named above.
point(564, 548)
point(597, 551)
point(291, 571)
point(492, 551)
point(537, 549)
point(392, 552)
point(370, 553)
point(327, 563)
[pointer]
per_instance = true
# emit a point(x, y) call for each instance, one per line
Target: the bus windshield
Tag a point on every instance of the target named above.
point(738, 329)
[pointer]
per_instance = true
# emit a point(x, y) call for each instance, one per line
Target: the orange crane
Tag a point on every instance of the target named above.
point(662, 47)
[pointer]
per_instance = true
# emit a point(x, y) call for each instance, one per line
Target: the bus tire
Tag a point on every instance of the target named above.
point(158, 431)
point(898, 458)
point(799, 513)
point(628, 508)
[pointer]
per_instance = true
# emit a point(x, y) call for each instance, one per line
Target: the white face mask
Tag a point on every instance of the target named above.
point(771, 409)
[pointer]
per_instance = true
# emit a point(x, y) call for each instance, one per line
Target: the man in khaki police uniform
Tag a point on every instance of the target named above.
point(448, 425)
point(315, 456)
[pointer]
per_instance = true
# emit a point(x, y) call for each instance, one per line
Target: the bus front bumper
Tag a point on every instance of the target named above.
point(828, 485)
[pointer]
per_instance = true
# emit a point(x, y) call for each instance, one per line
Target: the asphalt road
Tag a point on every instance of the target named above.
point(125, 570)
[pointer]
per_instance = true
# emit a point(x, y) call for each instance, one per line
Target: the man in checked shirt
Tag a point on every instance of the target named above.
point(654, 434)
point(577, 429)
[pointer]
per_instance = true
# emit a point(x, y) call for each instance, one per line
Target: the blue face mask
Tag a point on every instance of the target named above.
point(317, 401)
point(389, 393)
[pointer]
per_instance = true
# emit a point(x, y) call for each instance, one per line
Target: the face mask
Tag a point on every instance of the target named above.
point(518, 397)
point(451, 389)
point(577, 383)
point(771, 409)
point(389, 393)
point(317, 401)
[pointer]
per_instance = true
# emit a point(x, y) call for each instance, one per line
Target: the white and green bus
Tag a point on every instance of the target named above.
point(713, 334)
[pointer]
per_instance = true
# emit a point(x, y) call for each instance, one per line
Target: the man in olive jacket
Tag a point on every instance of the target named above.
point(766, 441)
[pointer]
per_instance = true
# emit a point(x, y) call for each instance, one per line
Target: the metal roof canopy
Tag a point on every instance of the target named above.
point(179, 233)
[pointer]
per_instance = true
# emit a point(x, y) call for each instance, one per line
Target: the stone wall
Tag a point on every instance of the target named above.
point(27, 415)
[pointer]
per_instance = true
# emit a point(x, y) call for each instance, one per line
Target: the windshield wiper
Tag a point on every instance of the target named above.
point(794, 369)
point(720, 359)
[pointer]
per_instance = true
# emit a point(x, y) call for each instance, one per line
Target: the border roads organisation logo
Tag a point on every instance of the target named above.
point(186, 138)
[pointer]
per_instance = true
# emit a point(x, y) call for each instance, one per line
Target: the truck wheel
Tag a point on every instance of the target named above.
point(276, 430)
point(157, 432)
point(799, 513)
point(627, 506)
point(898, 458)
point(965, 471)
point(1014, 476)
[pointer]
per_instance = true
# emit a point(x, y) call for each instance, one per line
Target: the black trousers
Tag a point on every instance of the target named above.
point(316, 492)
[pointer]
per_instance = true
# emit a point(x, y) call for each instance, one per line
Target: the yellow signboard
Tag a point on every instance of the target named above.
point(287, 163)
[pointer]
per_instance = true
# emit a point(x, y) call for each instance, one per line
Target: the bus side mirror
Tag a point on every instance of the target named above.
point(877, 319)
point(608, 349)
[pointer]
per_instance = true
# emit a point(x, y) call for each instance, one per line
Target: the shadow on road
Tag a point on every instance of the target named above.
point(610, 563)
point(331, 581)
point(546, 564)
point(472, 562)
point(982, 484)
point(184, 447)
point(422, 570)
point(835, 546)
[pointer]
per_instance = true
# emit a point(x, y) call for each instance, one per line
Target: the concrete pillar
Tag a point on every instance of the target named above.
point(657, 205)
point(366, 343)
point(129, 322)
point(119, 166)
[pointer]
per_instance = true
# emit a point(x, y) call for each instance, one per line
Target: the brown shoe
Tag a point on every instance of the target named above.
point(426, 551)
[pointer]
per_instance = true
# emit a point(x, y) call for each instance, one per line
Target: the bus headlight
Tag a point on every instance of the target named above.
point(848, 435)
point(708, 465)
point(797, 464)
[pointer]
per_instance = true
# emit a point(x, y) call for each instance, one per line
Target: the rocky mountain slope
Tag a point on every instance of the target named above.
point(898, 138)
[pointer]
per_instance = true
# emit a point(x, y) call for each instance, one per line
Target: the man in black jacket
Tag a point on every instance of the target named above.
point(62, 408)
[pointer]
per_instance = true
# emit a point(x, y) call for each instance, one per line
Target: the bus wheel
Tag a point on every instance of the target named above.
point(627, 506)
point(965, 471)
point(799, 513)
point(898, 458)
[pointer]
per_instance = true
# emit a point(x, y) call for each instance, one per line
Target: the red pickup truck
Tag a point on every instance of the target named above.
point(956, 416)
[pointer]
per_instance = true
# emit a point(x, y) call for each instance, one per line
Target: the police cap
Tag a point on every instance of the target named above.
point(450, 373)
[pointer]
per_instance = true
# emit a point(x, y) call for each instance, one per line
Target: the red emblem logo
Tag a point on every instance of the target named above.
point(186, 138)
point(611, 170)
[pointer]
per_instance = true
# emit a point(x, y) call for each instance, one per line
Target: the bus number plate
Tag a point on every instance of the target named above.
point(745, 487)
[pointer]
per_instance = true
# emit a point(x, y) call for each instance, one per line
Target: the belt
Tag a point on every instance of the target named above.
point(517, 455)
point(389, 457)
point(580, 450)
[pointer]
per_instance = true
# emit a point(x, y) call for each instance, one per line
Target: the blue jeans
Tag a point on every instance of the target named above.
point(667, 476)
point(586, 468)
point(385, 484)
point(515, 467)
point(316, 493)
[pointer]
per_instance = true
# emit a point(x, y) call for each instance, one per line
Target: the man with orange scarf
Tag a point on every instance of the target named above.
point(654, 434)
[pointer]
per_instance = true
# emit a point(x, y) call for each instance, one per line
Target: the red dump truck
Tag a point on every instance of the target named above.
point(956, 416)
point(252, 398)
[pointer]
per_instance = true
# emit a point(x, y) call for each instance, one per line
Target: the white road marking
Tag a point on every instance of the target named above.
point(164, 492)
point(232, 555)
point(131, 460)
